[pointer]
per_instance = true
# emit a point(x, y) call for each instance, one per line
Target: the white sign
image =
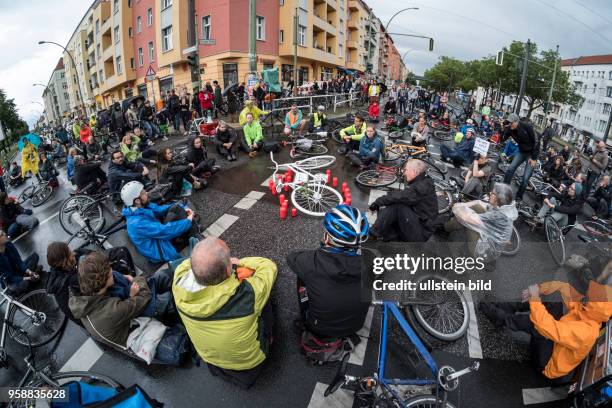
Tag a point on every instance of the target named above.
point(481, 146)
point(150, 73)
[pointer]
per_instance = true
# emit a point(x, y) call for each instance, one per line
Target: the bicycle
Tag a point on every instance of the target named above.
point(39, 192)
point(379, 391)
point(400, 149)
point(35, 313)
point(310, 144)
point(44, 377)
point(309, 193)
point(90, 236)
point(78, 207)
point(598, 228)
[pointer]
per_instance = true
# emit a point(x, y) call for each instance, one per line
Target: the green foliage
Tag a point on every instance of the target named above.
point(13, 125)
point(410, 78)
point(446, 74)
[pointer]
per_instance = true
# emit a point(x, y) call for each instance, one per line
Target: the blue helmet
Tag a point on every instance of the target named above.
point(346, 225)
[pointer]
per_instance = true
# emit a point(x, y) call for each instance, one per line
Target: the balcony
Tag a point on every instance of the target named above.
point(353, 5)
point(352, 45)
point(323, 25)
point(352, 25)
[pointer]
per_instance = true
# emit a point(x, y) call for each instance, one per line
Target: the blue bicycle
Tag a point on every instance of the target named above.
point(379, 391)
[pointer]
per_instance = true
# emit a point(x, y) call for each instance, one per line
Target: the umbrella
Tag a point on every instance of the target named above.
point(32, 138)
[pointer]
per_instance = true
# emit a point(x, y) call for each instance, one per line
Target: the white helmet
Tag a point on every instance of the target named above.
point(130, 192)
point(320, 108)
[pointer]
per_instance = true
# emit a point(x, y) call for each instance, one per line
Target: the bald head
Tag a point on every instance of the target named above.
point(210, 261)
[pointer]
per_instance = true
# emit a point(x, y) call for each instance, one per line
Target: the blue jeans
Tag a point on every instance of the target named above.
point(448, 153)
point(517, 160)
point(176, 121)
point(151, 129)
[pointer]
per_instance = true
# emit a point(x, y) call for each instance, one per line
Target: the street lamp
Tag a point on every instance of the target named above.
point(76, 73)
point(387, 33)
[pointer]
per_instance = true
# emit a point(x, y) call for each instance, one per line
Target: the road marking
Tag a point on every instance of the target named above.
point(358, 354)
point(267, 181)
point(339, 399)
point(218, 227)
point(249, 200)
point(374, 195)
point(434, 153)
point(85, 357)
point(473, 336)
point(542, 395)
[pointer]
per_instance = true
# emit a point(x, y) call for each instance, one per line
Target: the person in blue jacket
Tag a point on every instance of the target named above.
point(370, 149)
point(14, 271)
point(155, 240)
point(469, 124)
point(462, 153)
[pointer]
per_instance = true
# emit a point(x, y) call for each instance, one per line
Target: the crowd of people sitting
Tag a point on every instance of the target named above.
point(205, 298)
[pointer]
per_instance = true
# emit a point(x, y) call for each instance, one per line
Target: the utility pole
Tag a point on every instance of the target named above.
point(519, 102)
point(252, 36)
point(607, 132)
point(552, 85)
point(369, 43)
point(295, 49)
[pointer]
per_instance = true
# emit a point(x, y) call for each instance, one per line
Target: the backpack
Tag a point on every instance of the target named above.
point(323, 350)
point(271, 146)
point(83, 395)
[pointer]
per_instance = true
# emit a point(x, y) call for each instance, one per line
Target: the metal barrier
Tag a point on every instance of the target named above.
point(335, 99)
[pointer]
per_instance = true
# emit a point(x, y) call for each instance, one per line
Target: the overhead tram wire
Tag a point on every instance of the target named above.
point(593, 11)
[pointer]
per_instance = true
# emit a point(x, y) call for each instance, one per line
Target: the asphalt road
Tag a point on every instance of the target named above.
point(251, 227)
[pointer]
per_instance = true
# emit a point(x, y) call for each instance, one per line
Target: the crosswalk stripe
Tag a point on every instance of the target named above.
point(473, 335)
point(84, 358)
point(542, 395)
point(358, 354)
point(339, 399)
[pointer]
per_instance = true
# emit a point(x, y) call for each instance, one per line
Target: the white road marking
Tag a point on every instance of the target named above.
point(374, 194)
point(473, 336)
point(542, 395)
point(85, 357)
point(358, 354)
point(339, 399)
point(218, 227)
point(267, 181)
point(249, 200)
point(46, 220)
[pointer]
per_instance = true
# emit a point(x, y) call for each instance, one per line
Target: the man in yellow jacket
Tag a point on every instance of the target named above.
point(559, 342)
point(29, 158)
point(223, 303)
point(250, 107)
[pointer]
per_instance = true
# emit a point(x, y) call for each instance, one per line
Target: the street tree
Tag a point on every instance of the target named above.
point(446, 74)
point(410, 78)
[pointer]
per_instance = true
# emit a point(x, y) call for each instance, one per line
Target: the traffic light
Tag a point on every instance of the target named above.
point(499, 59)
point(431, 44)
point(192, 60)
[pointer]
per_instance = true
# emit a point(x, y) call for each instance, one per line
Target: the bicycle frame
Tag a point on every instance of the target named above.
point(301, 176)
point(10, 302)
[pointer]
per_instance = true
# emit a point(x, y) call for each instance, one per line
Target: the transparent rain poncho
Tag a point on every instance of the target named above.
point(494, 225)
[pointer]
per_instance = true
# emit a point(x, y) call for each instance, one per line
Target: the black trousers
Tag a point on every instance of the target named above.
point(203, 167)
point(226, 152)
point(399, 222)
point(176, 212)
point(591, 177)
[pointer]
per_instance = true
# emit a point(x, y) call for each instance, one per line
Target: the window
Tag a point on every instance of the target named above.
point(601, 126)
point(98, 51)
point(340, 50)
point(587, 121)
point(302, 35)
point(610, 75)
point(138, 24)
point(151, 51)
point(606, 108)
point(281, 2)
point(167, 39)
point(594, 88)
point(140, 57)
point(116, 33)
point(132, 63)
point(129, 3)
point(101, 76)
point(97, 26)
point(119, 68)
point(149, 17)
point(115, 6)
point(609, 92)
point(65, 95)
point(165, 4)
point(130, 32)
point(260, 28)
point(230, 74)
point(206, 28)
point(281, 36)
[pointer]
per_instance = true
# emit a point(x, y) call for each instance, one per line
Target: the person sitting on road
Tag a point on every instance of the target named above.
point(15, 174)
point(477, 177)
point(88, 176)
point(407, 215)
point(57, 150)
point(294, 121)
point(462, 153)
point(554, 173)
point(370, 150)
point(253, 135)
point(573, 168)
point(601, 198)
point(318, 120)
point(72, 153)
point(249, 107)
point(374, 111)
point(47, 171)
point(390, 107)
point(445, 120)
point(352, 135)
point(15, 219)
point(94, 149)
point(469, 124)
point(488, 226)
point(420, 133)
point(197, 158)
point(549, 158)
point(130, 146)
point(226, 141)
point(563, 207)
point(173, 171)
point(121, 171)
point(224, 305)
point(29, 158)
point(18, 274)
point(560, 340)
point(156, 240)
point(329, 278)
point(108, 314)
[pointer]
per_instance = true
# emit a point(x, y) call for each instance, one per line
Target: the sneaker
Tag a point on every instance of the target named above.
point(233, 157)
point(150, 143)
point(165, 138)
point(215, 169)
point(253, 154)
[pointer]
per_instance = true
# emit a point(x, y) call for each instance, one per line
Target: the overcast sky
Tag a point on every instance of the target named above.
point(465, 29)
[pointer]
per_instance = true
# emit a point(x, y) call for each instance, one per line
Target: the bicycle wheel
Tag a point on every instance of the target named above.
point(503, 165)
point(314, 163)
point(25, 195)
point(426, 401)
point(41, 327)
point(314, 150)
point(396, 134)
point(41, 194)
point(392, 154)
point(597, 228)
point(445, 198)
point(446, 320)
point(315, 199)
point(75, 208)
point(555, 238)
point(336, 135)
point(315, 137)
point(375, 178)
point(512, 246)
point(443, 135)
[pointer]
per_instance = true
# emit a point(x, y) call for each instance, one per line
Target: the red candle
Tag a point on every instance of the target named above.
point(294, 212)
point(328, 172)
point(283, 212)
point(335, 182)
point(344, 186)
point(281, 198)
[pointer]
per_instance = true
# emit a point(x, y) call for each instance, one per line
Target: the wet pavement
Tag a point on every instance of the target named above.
point(288, 380)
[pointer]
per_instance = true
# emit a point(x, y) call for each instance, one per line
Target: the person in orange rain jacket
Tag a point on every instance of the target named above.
point(559, 341)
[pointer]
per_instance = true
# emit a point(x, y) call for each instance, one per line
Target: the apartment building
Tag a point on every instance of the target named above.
point(55, 95)
point(358, 21)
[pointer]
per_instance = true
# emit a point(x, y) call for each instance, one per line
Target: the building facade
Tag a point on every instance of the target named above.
point(118, 42)
point(55, 95)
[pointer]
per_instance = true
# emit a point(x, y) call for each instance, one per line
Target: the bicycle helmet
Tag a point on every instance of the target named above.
point(346, 225)
point(130, 192)
point(320, 108)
